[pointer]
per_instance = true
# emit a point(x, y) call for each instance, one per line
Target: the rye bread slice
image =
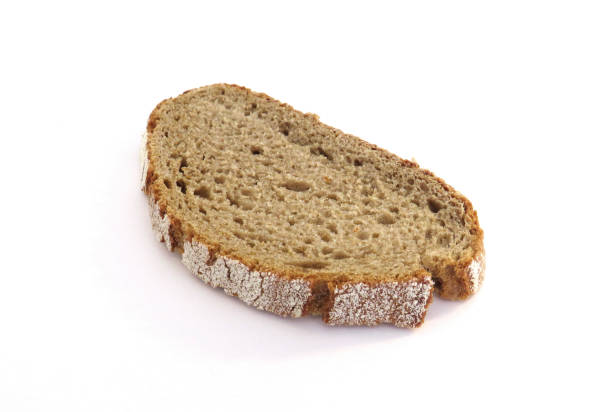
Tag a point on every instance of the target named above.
point(295, 217)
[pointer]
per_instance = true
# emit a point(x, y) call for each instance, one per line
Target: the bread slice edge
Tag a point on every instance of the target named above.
point(402, 303)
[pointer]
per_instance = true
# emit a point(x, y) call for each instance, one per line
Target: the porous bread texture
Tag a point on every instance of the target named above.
point(401, 303)
point(296, 217)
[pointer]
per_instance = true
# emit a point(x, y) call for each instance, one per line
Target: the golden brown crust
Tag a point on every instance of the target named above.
point(458, 278)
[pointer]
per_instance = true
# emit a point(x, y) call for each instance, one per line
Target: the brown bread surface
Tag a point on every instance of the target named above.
point(274, 207)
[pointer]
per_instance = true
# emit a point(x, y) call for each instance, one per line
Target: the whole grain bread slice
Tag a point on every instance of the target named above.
point(295, 217)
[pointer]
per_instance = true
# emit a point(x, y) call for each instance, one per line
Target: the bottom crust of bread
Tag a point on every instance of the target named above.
point(401, 303)
point(263, 290)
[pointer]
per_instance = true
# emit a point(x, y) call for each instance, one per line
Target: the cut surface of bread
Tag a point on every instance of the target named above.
point(296, 217)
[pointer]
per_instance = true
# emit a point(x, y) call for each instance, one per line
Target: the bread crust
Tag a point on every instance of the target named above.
point(402, 303)
point(346, 300)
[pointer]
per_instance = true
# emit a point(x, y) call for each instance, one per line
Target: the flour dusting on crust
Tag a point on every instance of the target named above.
point(263, 290)
point(144, 161)
point(475, 272)
point(161, 225)
point(401, 303)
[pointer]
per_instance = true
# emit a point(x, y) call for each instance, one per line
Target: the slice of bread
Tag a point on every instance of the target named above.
point(295, 217)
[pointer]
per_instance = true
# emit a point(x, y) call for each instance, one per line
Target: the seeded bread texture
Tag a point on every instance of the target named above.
point(296, 217)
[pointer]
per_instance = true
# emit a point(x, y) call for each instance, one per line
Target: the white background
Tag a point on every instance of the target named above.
point(509, 102)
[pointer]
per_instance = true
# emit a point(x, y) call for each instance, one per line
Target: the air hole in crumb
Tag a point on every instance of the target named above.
point(182, 185)
point(239, 220)
point(358, 162)
point(203, 192)
point(324, 236)
point(256, 150)
point(332, 228)
point(243, 204)
point(167, 183)
point(386, 219)
point(312, 264)
point(308, 241)
point(203, 211)
point(250, 109)
point(362, 235)
point(326, 250)
point(296, 185)
point(183, 165)
point(411, 181)
point(375, 235)
point(219, 179)
point(247, 192)
point(424, 187)
point(437, 282)
point(319, 151)
point(393, 209)
point(232, 200)
point(340, 255)
point(285, 128)
point(434, 205)
point(444, 240)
